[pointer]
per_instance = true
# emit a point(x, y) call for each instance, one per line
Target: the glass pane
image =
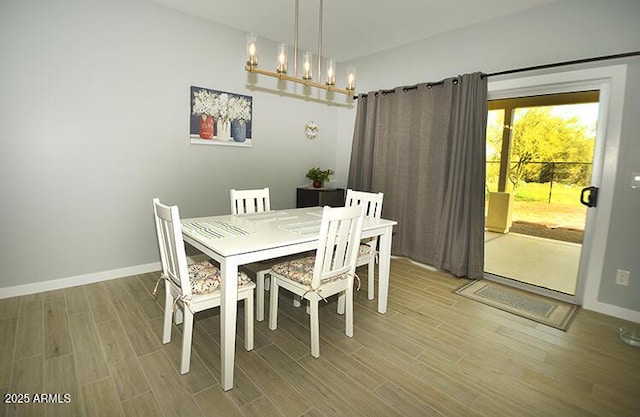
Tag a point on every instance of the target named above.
point(551, 158)
point(535, 237)
point(495, 125)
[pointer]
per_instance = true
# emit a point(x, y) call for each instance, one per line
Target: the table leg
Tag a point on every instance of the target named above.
point(383, 270)
point(228, 316)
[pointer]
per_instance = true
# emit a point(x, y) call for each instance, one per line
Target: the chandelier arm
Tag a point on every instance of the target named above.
point(320, 13)
point(295, 41)
point(281, 76)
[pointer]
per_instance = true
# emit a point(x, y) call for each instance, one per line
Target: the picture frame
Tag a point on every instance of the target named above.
point(220, 118)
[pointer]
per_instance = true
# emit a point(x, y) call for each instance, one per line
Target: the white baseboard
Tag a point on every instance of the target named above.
point(614, 311)
point(56, 284)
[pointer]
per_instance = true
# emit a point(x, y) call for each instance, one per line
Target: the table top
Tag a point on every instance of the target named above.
point(230, 235)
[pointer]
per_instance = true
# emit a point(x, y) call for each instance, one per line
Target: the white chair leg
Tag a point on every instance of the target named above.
point(371, 280)
point(248, 322)
point(273, 305)
point(260, 287)
point(177, 316)
point(187, 333)
point(314, 324)
point(168, 311)
point(341, 303)
point(348, 316)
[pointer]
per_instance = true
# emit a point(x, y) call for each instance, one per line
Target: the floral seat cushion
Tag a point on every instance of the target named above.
point(364, 250)
point(205, 278)
point(301, 270)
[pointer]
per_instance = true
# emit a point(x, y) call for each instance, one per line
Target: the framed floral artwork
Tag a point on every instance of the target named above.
point(220, 118)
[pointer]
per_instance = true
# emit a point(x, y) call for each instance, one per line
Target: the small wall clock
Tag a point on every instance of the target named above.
point(311, 130)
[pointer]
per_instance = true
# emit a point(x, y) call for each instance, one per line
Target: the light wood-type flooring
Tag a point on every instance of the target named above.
point(434, 353)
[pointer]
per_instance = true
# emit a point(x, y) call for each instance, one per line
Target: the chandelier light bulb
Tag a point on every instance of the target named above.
point(252, 50)
point(351, 79)
point(306, 66)
point(282, 59)
point(331, 72)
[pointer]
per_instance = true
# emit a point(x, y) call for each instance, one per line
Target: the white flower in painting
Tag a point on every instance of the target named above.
point(204, 103)
point(221, 108)
point(239, 109)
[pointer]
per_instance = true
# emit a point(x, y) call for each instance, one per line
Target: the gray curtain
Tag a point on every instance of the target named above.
point(424, 148)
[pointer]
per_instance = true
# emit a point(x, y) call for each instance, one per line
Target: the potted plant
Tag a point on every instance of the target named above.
point(319, 176)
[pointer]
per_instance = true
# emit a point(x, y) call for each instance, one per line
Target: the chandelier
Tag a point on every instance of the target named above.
point(328, 83)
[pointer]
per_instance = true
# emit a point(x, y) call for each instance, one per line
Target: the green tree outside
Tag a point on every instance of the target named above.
point(545, 147)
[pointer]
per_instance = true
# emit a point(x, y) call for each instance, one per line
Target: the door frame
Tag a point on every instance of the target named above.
point(610, 81)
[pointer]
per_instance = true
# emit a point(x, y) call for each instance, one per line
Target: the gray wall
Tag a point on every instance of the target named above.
point(94, 123)
point(562, 31)
point(623, 246)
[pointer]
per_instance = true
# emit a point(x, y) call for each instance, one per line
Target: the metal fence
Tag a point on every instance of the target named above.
point(563, 172)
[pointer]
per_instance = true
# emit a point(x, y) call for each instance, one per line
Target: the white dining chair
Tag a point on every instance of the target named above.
point(254, 201)
point(372, 203)
point(250, 201)
point(331, 271)
point(191, 288)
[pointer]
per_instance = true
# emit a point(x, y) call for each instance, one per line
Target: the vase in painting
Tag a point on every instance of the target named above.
point(223, 130)
point(206, 126)
point(238, 130)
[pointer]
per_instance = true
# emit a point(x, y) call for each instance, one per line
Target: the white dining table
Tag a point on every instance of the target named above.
point(235, 240)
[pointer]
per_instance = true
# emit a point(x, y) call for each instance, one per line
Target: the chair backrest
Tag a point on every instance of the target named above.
point(172, 254)
point(340, 232)
point(250, 201)
point(372, 202)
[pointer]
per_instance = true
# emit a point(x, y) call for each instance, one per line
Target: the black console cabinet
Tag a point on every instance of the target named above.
point(311, 197)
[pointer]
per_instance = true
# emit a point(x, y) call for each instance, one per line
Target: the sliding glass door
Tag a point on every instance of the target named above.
point(540, 152)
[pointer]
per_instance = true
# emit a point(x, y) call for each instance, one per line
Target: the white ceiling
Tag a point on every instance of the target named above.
point(352, 28)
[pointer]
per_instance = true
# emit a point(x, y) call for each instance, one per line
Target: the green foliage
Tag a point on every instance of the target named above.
point(539, 192)
point(560, 194)
point(540, 141)
point(317, 174)
point(495, 127)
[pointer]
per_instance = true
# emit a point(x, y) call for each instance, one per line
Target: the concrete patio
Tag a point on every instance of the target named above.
point(547, 263)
